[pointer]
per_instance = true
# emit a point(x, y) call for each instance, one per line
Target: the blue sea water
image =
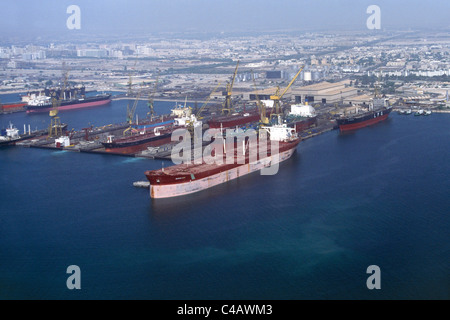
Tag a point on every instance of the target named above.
point(377, 196)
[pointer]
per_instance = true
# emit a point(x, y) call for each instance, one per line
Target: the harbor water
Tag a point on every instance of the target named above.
point(343, 202)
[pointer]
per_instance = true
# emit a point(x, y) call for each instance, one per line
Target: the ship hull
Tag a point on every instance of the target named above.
point(135, 146)
point(350, 124)
point(233, 121)
point(229, 172)
point(13, 142)
point(70, 106)
point(17, 105)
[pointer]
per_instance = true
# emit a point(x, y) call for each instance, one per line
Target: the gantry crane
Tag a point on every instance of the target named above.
point(227, 107)
point(55, 128)
point(276, 110)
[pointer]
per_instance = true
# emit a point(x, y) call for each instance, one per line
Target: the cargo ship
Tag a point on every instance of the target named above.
point(363, 119)
point(11, 136)
point(376, 112)
point(13, 107)
point(152, 133)
point(138, 141)
point(177, 117)
point(188, 178)
point(44, 103)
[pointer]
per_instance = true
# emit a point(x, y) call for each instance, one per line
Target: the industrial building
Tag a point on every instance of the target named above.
point(323, 92)
point(361, 100)
point(263, 94)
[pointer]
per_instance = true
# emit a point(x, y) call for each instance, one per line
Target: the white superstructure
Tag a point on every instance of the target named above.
point(303, 110)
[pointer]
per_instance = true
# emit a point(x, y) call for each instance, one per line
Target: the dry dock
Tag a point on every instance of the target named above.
point(89, 140)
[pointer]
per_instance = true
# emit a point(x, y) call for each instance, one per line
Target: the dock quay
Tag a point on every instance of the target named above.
point(89, 140)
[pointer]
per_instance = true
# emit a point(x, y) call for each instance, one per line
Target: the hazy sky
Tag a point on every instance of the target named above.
point(44, 17)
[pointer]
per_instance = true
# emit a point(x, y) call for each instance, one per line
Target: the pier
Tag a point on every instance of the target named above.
point(89, 140)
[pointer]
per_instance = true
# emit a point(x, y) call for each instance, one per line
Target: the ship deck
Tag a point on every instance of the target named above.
point(197, 168)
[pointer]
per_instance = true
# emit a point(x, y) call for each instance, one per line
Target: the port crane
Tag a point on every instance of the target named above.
point(260, 104)
point(55, 128)
point(194, 119)
point(199, 112)
point(130, 81)
point(151, 96)
point(276, 110)
point(227, 107)
point(131, 111)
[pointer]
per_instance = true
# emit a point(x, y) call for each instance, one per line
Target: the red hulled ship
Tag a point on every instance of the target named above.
point(361, 119)
point(16, 106)
point(187, 178)
point(139, 141)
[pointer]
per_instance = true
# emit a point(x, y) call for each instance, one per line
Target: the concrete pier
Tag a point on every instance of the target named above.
point(89, 140)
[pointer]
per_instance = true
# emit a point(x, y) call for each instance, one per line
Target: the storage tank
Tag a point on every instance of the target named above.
point(307, 76)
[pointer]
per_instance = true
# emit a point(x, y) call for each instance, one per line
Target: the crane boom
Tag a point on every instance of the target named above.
point(132, 111)
point(234, 77)
point(276, 110)
point(151, 97)
point(227, 105)
point(204, 105)
point(55, 129)
point(260, 104)
point(194, 119)
point(278, 97)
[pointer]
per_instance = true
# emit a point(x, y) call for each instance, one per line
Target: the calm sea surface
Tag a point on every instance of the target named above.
point(378, 196)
